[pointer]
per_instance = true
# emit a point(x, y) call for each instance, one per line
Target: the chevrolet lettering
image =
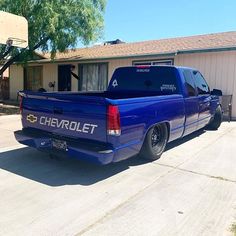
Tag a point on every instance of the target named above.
point(144, 108)
point(69, 125)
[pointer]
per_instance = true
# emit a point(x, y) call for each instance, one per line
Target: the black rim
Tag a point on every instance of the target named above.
point(158, 138)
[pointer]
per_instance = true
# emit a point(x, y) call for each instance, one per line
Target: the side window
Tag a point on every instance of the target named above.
point(201, 84)
point(189, 83)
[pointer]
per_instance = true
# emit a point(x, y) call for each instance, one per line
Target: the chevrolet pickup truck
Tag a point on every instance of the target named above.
point(143, 109)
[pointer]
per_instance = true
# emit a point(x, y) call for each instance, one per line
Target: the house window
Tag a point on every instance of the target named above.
point(33, 77)
point(154, 62)
point(94, 77)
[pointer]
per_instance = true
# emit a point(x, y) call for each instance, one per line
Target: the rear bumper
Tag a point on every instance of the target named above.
point(101, 156)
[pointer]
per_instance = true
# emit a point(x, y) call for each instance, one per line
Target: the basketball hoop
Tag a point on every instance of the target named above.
point(15, 41)
point(13, 30)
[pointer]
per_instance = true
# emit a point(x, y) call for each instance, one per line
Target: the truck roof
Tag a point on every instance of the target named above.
point(171, 66)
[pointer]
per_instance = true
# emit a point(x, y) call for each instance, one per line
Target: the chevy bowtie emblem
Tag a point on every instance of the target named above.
point(31, 118)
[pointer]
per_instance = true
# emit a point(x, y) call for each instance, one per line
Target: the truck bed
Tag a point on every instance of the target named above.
point(80, 119)
point(98, 94)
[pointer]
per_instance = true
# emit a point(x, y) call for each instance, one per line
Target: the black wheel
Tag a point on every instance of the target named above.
point(217, 119)
point(155, 142)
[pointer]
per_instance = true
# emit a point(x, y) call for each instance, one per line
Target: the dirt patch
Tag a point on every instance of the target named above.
point(6, 109)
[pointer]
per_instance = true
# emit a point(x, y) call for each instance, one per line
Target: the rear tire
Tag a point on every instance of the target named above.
point(217, 119)
point(155, 142)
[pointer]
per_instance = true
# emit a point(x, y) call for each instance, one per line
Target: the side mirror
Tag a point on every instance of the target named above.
point(216, 92)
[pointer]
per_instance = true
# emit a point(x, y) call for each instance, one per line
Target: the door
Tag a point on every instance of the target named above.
point(204, 99)
point(191, 103)
point(93, 77)
point(4, 88)
point(64, 78)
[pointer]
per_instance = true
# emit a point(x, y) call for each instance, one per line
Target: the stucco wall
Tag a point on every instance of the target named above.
point(6, 73)
point(113, 64)
point(16, 80)
point(50, 74)
point(219, 69)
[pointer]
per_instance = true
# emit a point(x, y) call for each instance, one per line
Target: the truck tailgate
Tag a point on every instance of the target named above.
point(62, 114)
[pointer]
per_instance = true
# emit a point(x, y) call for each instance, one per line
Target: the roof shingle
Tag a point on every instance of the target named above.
point(152, 47)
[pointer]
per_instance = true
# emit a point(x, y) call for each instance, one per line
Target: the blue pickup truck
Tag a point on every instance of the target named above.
point(143, 109)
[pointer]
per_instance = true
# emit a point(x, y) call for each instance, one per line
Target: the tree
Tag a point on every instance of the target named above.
point(55, 25)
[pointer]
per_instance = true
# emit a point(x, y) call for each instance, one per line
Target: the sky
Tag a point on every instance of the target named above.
point(140, 20)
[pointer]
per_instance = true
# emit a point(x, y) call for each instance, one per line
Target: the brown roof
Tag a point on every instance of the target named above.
point(153, 47)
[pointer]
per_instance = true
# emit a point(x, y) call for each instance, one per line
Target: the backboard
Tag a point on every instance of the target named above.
point(13, 30)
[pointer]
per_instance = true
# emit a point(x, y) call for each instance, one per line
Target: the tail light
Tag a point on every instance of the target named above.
point(143, 66)
point(113, 120)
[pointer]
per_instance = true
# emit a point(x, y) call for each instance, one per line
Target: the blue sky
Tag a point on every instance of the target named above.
point(140, 20)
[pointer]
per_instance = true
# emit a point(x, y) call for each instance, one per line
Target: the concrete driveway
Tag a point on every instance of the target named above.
point(191, 190)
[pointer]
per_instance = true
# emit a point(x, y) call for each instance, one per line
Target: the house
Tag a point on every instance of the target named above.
point(4, 85)
point(91, 68)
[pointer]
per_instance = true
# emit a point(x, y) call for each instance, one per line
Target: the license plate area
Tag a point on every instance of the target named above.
point(59, 144)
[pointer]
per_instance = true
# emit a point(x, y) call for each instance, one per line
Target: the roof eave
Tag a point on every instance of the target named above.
point(102, 58)
point(167, 54)
point(204, 50)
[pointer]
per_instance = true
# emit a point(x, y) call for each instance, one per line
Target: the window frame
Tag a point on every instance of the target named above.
point(152, 62)
point(26, 76)
point(195, 72)
point(80, 70)
point(195, 88)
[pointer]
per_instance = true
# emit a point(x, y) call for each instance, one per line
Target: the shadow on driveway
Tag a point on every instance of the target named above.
point(37, 166)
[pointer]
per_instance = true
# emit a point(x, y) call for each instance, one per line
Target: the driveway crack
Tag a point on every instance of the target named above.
point(198, 173)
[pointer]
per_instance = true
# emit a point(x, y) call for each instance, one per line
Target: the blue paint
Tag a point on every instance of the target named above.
point(140, 109)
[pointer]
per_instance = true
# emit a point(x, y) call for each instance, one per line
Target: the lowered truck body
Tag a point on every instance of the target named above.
point(143, 108)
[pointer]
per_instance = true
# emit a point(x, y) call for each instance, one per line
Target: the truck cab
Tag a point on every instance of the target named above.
point(199, 102)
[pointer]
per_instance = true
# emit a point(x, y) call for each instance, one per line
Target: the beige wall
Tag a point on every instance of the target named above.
point(219, 69)
point(113, 64)
point(6, 73)
point(16, 80)
point(50, 74)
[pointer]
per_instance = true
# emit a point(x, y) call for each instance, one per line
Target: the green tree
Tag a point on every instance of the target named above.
point(55, 25)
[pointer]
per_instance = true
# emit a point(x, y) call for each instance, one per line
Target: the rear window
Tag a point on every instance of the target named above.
point(162, 79)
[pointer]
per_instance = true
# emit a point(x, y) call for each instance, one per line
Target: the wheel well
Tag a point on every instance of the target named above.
point(167, 125)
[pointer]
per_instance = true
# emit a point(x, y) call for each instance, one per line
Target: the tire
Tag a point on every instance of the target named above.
point(217, 119)
point(155, 142)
